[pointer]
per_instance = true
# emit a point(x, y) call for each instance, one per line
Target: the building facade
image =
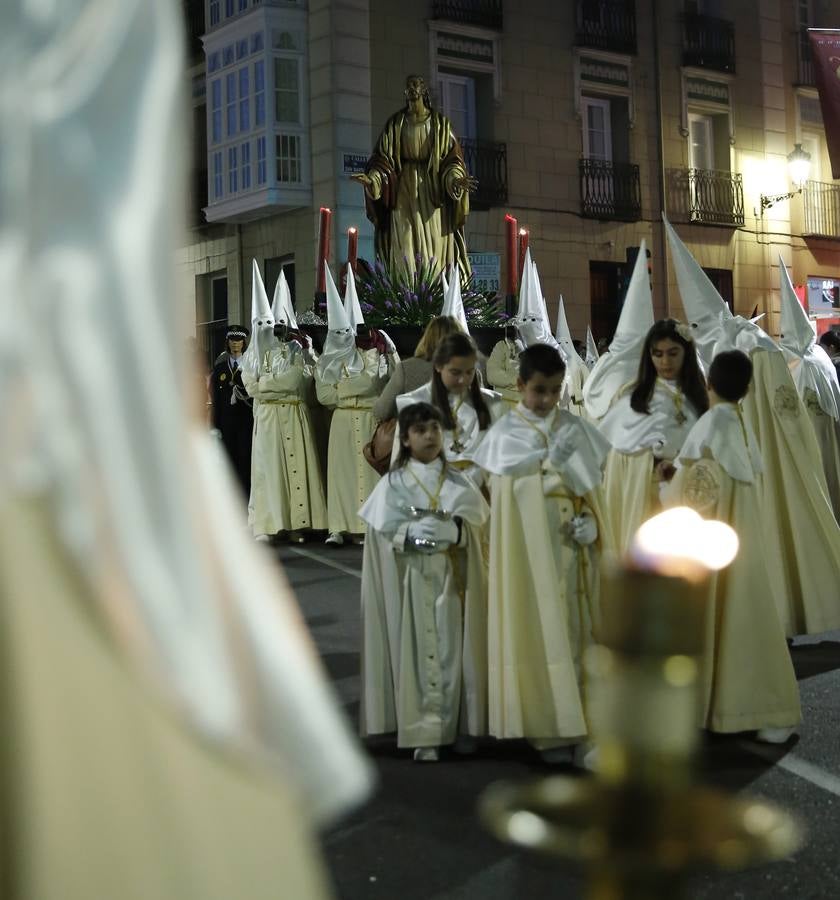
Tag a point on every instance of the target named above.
point(583, 119)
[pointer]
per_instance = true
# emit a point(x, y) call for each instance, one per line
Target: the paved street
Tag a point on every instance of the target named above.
point(419, 839)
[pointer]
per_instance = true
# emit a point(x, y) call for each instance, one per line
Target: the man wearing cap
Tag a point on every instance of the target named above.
point(232, 414)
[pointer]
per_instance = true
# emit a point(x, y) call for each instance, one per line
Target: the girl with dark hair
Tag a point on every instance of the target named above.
point(648, 424)
point(467, 410)
point(424, 620)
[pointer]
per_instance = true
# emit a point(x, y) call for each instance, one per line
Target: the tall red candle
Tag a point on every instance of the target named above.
point(512, 268)
point(352, 246)
point(323, 249)
point(523, 249)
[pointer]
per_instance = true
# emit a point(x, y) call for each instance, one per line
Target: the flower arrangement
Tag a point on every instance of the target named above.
point(392, 296)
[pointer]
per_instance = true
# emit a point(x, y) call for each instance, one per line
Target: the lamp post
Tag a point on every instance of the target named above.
point(799, 165)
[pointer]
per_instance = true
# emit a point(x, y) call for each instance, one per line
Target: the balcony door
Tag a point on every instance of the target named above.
point(701, 143)
point(597, 129)
point(457, 100)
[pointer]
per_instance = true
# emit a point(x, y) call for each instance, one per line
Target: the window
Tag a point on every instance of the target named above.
point(722, 280)
point(217, 175)
point(261, 160)
point(286, 99)
point(244, 101)
point(284, 40)
point(227, 55)
point(257, 42)
point(701, 147)
point(457, 98)
point(213, 62)
point(228, 8)
point(211, 314)
point(259, 93)
point(232, 170)
point(597, 129)
point(242, 48)
point(272, 269)
point(243, 5)
point(214, 12)
point(811, 144)
point(288, 158)
point(230, 80)
point(245, 161)
point(216, 110)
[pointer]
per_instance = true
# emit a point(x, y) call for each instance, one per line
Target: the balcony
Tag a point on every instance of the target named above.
point(804, 63)
point(708, 43)
point(607, 25)
point(487, 162)
point(484, 13)
point(822, 209)
point(610, 191)
point(705, 197)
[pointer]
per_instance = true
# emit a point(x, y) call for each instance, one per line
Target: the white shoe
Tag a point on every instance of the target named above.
point(426, 754)
point(336, 539)
point(775, 735)
point(263, 538)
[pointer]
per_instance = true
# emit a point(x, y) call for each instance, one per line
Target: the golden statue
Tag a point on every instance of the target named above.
point(417, 187)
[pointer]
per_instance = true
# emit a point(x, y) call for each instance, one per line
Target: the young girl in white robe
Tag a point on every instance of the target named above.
point(546, 533)
point(748, 682)
point(648, 424)
point(424, 626)
point(467, 410)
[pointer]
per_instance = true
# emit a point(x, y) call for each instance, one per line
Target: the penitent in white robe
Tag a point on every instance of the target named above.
point(544, 587)
point(287, 493)
point(638, 441)
point(350, 479)
point(748, 680)
point(424, 625)
point(503, 370)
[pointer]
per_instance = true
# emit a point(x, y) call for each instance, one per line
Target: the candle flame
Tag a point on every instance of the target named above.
point(351, 230)
point(523, 231)
point(680, 542)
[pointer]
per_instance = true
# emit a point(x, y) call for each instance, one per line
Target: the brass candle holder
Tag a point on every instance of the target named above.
point(640, 826)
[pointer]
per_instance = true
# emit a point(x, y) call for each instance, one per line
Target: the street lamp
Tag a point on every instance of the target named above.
point(799, 164)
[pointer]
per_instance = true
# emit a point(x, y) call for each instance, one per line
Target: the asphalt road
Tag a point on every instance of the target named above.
point(419, 837)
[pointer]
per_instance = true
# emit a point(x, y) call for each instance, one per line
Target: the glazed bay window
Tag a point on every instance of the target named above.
point(230, 103)
point(244, 101)
point(245, 163)
point(288, 158)
point(286, 90)
point(261, 173)
point(216, 110)
point(217, 176)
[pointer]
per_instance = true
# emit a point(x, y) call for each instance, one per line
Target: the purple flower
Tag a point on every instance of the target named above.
point(388, 304)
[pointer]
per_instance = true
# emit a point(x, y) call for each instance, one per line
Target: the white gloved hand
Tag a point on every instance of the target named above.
point(422, 530)
point(446, 531)
point(584, 529)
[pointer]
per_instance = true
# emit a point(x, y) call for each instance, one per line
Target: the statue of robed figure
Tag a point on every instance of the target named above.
point(417, 187)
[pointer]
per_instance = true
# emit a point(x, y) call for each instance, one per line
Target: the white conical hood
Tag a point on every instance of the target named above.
point(531, 317)
point(591, 348)
point(445, 284)
point(453, 303)
point(809, 364)
point(705, 309)
point(620, 364)
point(281, 307)
point(563, 337)
point(262, 326)
point(351, 301)
point(340, 356)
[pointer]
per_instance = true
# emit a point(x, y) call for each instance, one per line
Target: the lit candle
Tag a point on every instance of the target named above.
point(512, 268)
point(523, 249)
point(352, 246)
point(323, 249)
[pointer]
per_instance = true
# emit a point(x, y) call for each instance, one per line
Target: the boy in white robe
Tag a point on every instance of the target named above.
point(749, 682)
point(545, 545)
point(424, 627)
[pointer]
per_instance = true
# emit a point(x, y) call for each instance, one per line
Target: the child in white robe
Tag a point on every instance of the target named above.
point(546, 531)
point(467, 410)
point(424, 627)
point(647, 425)
point(749, 682)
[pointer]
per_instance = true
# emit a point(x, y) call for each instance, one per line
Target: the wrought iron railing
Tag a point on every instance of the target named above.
point(610, 191)
point(706, 196)
point(708, 42)
point(822, 208)
point(485, 13)
point(487, 162)
point(607, 25)
point(804, 63)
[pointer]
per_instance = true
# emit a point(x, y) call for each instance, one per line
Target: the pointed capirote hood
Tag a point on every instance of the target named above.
point(281, 306)
point(262, 326)
point(620, 364)
point(591, 348)
point(453, 303)
point(340, 357)
point(563, 336)
point(810, 365)
point(351, 301)
point(531, 317)
point(445, 283)
point(705, 309)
